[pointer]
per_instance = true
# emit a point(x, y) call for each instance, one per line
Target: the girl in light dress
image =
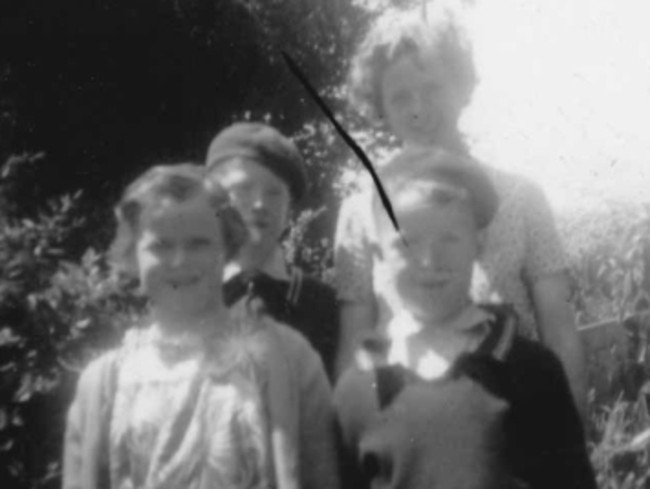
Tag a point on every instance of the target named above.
point(201, 396)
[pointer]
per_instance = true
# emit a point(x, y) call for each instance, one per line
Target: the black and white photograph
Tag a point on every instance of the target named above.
point(324, 244)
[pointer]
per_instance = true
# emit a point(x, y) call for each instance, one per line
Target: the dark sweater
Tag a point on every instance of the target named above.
point(503, 416)
point(302, 302)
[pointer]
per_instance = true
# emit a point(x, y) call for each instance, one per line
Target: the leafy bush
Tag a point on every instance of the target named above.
point(55, 313)
point(609, 250)
point(621, 454)
point(58, 310)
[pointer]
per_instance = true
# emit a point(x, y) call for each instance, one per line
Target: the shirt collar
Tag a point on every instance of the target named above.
point(275, 266)
point(499, 322)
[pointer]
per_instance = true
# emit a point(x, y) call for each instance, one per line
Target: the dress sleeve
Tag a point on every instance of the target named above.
point(85, 458)
point(352, 257)
point(544, 250)
point(318, 457)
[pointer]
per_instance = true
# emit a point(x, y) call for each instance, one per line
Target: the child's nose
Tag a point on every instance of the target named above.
point(419, 110)
point(432, 258)
point(179, 256)
point(259, 200)
point(415, 109)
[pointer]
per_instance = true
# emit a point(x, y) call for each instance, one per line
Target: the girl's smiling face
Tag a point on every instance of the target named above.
point(419, 101)
point(431, 267)
point(180, 256)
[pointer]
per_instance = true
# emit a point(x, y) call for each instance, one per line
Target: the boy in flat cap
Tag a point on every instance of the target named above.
point(263, 173)
point(448, 395)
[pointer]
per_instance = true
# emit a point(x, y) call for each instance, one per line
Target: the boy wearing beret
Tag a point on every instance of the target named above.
point(449, 396)
point(263, 173)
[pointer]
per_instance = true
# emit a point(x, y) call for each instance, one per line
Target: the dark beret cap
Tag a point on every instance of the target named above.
point(265, 145)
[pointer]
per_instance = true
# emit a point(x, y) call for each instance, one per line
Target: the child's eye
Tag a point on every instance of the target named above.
point(431, 88)
point(160, 245)
point(450, 239)
point(199, 244)
point(413, 240)
point(242, 189)
point(400, 98)
point(404, 244)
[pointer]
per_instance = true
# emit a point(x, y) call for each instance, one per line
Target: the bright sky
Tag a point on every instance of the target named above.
point(565, 94)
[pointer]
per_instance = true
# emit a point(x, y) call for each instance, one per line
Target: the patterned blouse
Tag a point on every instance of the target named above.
point(189, 415)
point(522, 245)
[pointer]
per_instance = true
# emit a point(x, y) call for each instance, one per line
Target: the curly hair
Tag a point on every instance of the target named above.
point(406, 34)
point(180, 183)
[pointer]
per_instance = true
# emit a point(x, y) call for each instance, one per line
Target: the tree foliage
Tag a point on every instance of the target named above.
point(105, 88)
point(91, 93)
point(55, 314)
point(94, 91)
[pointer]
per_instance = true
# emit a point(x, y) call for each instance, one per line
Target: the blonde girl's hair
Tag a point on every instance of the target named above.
point(401, 34)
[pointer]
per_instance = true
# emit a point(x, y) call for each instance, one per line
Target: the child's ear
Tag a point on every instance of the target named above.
point(131, 261)
point(126, 271)
point(130, 266)
point(481, 239)
point(292, 215)
point(377, 252)
point(286, 231)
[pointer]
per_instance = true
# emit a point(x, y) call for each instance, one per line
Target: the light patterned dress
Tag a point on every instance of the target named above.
point(189, 415)
point(522, 246)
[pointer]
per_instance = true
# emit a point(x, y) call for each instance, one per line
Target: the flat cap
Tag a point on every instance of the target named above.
point(265, 145)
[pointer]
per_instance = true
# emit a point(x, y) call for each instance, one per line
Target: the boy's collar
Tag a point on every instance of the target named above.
point(501, 333)
point(404, 324)
point(470, 318)
point(275, 266)
point(500, 322)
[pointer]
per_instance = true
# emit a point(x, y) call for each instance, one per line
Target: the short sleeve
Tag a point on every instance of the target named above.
point(544, 250)
point(352, 257)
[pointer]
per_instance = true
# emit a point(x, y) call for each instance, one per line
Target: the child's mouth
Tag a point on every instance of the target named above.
point(434, 285)
point(260, 223)
point(437, 280)
point(183, 282)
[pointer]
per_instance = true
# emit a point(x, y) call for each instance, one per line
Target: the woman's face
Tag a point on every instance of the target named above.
point(419, 100)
